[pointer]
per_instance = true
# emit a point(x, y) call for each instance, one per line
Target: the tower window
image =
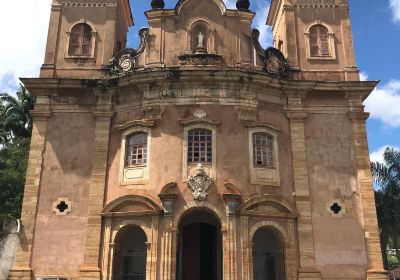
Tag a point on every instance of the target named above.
point(80, 43)
point(199, 146)
point(136, 149)
point(319, 41)
point(262, 150)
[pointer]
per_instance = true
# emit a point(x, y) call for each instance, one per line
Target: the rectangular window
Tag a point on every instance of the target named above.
point(199, 146)
point(263, 150)
point(136, 149)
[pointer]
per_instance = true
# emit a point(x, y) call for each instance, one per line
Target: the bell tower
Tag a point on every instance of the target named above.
point(83, 36)
point(316, 37)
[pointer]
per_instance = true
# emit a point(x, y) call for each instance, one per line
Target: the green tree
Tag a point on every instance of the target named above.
point(387, 177)
point(13, 164)
point(15, 133)
point(16, 121)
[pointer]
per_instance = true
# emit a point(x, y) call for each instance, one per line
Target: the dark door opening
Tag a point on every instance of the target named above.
point(199, 250)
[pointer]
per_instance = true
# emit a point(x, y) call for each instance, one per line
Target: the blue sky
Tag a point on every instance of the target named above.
point(376, 31)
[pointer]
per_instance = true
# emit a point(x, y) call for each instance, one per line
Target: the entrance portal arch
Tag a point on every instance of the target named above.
point(268, 255)
point(199, 247)
point(130, 254)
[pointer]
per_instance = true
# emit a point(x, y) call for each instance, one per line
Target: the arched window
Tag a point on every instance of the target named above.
point(80, 41)
point(319, 41)
point(263, 149)
point(199, 146)
point(136, 149)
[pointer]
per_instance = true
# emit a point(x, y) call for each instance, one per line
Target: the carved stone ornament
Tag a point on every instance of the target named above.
point(200, 183)
point(125, 60)
point(275, 63)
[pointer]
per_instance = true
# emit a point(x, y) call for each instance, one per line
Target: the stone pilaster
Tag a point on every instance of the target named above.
point(22, 269)
point(167, 248)
point(90, 268)
point(232, 206)
point(365, 188)
point(48, 67)
point(297, 117)
point(167, 239)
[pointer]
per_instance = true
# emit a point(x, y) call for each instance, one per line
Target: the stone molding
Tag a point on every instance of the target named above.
point(88, 4)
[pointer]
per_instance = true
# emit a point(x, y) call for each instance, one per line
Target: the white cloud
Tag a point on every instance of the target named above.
point(230, 4)
point(261, 8)
point(364, 76)
point(383, 103)
point(395, 6)
point(377, 155)
point(24, 27)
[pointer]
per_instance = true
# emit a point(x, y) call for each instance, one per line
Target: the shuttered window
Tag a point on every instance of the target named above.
point(80, 42)
point(319, 41)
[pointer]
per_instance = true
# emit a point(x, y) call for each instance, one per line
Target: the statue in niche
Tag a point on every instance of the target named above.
point(200, 49)
point(201, 38)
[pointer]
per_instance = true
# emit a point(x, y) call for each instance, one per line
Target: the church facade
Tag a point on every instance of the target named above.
point(199, 155)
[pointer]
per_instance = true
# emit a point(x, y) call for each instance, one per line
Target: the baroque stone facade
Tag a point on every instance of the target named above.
point(200, 154)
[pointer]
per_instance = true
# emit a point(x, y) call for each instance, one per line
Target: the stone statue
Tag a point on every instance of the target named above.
point(200, 36)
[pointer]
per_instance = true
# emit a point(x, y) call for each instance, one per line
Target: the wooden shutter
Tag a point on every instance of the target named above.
point(86, 39)
point(80, 40)
point(324, 40)
point(74, 44)
point(314, 48)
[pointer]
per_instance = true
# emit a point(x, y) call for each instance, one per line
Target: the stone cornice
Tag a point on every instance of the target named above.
point(232, 78)
point(88, 4)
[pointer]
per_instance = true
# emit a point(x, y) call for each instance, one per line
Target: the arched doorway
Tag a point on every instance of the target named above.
point(268, 255)
point(199, 247)
point(130, 254)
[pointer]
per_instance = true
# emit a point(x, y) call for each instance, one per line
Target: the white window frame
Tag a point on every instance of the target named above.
point(145, 168)
point(188, 167)
point(268, 176)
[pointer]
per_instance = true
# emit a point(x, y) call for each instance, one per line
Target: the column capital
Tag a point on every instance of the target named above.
point(358, 116)
point(297, 116)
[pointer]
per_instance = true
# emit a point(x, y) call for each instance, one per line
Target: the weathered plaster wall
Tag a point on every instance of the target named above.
point(339, 241)
point(232, 155)
point(59, 240)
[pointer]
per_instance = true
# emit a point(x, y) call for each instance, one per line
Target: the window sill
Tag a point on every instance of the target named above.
point(321, 58)
point(79, 56)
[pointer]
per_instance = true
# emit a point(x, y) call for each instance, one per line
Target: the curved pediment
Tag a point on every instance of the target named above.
point(181, 3)
point(132, 204)
point(268, 205)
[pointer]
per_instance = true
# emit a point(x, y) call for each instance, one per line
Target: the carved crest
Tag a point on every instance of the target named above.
point(275, 63)
point(200, 183)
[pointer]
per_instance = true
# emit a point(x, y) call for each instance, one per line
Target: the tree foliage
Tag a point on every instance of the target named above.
point(16, 121)
point(387, 178)
point(15, 133)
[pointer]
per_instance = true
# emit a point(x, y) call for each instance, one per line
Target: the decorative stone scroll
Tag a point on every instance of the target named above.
point(200, 183)
point(124, 61)
point(275, 63)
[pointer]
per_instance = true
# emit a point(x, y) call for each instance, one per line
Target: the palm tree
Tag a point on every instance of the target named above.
point(387, 177)
point(3, 132)
point(15, 119)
